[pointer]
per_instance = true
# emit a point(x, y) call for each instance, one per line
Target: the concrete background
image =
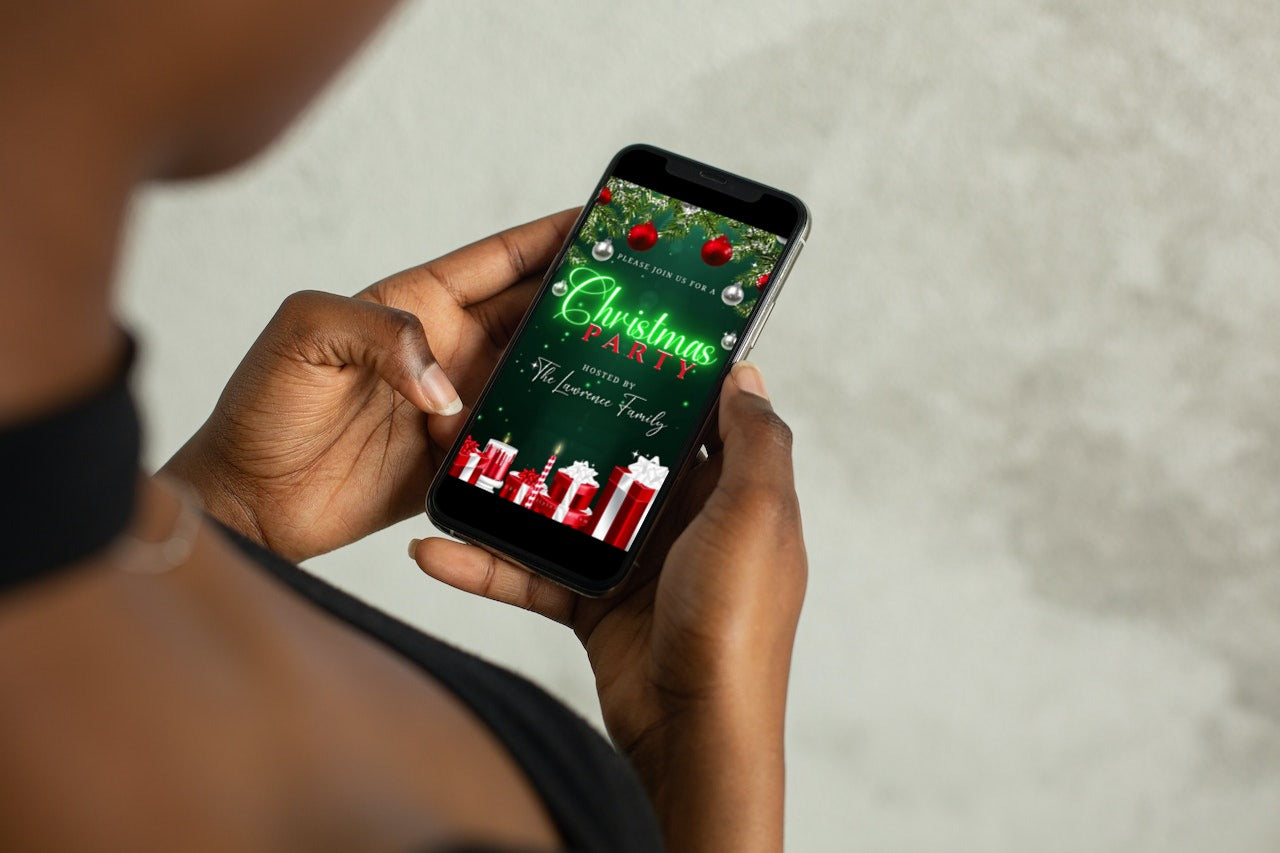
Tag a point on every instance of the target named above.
point(1041, 488)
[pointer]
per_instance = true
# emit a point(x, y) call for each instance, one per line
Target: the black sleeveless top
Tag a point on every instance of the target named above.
point(589, 790)
point(69, 481)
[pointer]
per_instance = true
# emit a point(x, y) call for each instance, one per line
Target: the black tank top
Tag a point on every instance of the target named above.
point(589, 790)
point(69, 481)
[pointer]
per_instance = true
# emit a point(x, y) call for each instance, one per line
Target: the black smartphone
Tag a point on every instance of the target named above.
point(598, 402)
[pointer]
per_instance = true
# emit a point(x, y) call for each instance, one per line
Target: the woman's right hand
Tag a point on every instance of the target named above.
point(692, 662)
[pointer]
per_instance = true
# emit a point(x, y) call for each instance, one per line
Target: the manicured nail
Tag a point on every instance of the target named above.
point(749, 379)
point(413, 548)
point(439, 391)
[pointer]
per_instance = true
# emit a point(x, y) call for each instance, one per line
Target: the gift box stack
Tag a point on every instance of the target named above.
point(519, 485)
point(626, 500)
point(568, 500)
point(486, 469)
point(467, 464)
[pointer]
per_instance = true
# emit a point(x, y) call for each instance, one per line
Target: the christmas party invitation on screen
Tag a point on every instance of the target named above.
point(616, 361)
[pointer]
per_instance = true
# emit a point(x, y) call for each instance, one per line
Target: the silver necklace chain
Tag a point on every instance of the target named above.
point(141, 557)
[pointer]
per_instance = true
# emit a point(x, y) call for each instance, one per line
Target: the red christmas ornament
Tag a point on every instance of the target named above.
point(606, 196)
point(717, 251)
point(762, 281)
point(642, 237)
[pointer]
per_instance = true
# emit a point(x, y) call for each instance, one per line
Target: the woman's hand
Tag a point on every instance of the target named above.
point(691, 662)
point(333, 425)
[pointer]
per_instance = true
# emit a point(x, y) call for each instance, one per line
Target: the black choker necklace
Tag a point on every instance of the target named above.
point(70, 480)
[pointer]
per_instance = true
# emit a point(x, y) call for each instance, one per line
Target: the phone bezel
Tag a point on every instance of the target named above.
point(567, 556)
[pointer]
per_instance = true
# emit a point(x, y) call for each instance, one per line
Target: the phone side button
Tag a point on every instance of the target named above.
point(755, 333)
point(785, 270)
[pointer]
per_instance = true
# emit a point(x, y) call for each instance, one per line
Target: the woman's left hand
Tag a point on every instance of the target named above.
point(334, 423)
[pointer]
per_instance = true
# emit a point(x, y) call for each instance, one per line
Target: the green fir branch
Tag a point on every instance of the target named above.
point(631, 204)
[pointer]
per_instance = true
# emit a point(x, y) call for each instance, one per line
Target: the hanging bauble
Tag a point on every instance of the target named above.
point(762, 281)
point(643, 236)
point(606, 196)
point(729, 341)
point(603, 250)
point(559, 288)
point(732, 295)
point(717, 251)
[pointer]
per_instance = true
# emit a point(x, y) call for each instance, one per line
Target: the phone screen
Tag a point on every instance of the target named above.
point(618, 360)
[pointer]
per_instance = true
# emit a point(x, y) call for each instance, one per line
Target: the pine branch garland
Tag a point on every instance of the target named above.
point(632, 204)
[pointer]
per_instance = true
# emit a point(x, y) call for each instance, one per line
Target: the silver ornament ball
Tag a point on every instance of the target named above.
point(603, 250)
point(729, 340)
point(732, 295)
point(559, 288)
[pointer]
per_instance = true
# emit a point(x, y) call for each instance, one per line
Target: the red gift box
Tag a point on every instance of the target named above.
point(469, 462)
point(563, 481)
point(572, 489)
point(546, 505)
point(626, 500)
point(517, 486)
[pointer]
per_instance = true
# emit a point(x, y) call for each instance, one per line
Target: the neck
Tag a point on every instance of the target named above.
point(66, 188)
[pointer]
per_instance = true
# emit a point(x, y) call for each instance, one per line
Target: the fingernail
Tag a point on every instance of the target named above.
point(439, 391)
point(413, 548)
point(749, 379)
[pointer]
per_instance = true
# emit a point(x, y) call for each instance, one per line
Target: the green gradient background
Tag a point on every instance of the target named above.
point(537, 421)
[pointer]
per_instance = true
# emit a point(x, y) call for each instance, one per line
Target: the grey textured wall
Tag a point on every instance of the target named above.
point(1041, 485)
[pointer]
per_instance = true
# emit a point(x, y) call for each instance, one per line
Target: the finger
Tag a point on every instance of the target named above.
point(499, 315)
point(709, 438)
point(327, 329)
point(695, 488)
point(479, 572)
point(444, 432)
point(489, 266)
point(757, 443)
point(690, 494)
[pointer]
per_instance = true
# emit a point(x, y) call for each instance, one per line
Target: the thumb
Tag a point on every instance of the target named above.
point(328, 329)
point(757, 443)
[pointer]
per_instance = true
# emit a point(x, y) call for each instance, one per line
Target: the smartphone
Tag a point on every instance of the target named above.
point(573, 446)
